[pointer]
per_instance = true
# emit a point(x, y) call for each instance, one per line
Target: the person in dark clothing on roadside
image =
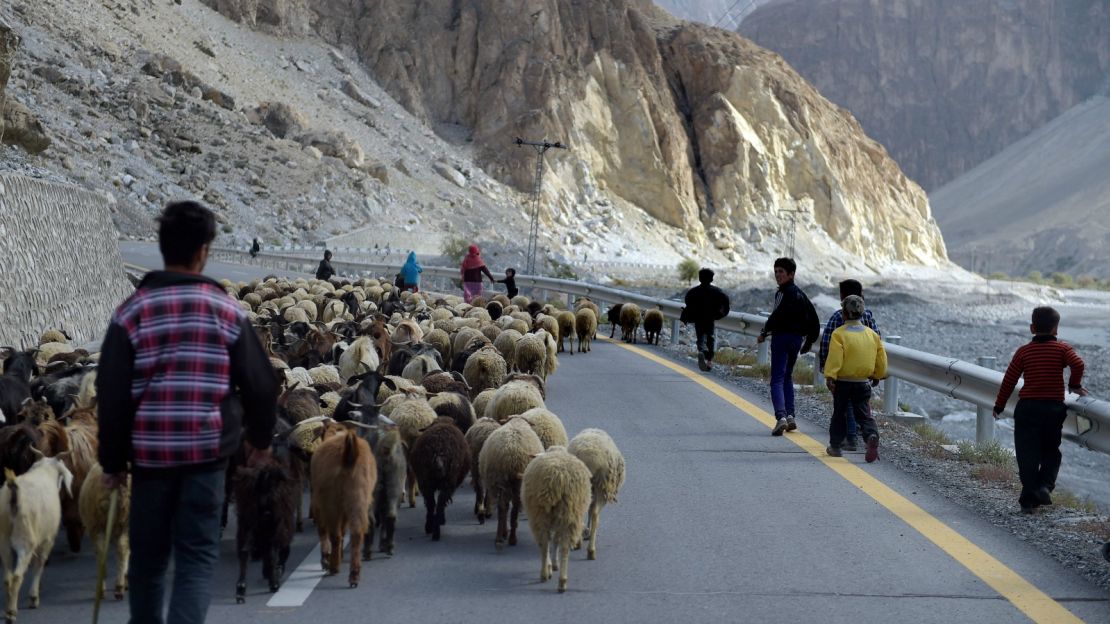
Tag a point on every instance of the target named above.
point(510, 283)
point(182, 376)
point(705, 305)
point(325, 271)
point(1040, 411)
point(793, 327)
point(255, 247)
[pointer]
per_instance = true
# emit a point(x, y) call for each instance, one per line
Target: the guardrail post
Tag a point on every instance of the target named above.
point(675, 329)
point(818, 376)
point(570, 301)
point(763, 353)
point(890, 386)
point(984, 416)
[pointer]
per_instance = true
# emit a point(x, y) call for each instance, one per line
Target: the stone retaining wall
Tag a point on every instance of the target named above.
point(60, 265)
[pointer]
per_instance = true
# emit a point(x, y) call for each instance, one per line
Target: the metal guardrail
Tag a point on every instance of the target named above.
point(1087, 424)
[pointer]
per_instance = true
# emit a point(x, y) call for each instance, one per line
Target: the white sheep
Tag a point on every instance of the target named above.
point(502, 461)
point(531, 354)
point(600, 454)
point(361, 357)
point(547, 426)
point(484, 369)
point(512, 399)
point(475, 438)
point(93, 502)
point(420, 367)
point(325, 374)
point(556, 493)
point(30, 513)
point(297, 376)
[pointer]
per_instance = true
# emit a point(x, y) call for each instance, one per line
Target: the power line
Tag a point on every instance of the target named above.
point(730, 14)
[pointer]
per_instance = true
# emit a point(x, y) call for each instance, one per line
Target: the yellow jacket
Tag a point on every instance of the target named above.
point(856, 353)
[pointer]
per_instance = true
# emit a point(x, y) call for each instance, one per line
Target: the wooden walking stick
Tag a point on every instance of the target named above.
point(102, 556)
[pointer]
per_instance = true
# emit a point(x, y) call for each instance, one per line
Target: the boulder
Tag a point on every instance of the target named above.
point(450, 174)
point(21, 128)
point(279, 118)
point(358, 95)
point(335, 144)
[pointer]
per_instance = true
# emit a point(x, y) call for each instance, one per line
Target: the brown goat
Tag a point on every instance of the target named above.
point(83, 444)
point(344, 474)
point(441, 459)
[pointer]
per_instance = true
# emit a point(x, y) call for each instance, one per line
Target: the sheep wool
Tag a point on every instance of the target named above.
point(506, 344)
point(556, 492)
point(566, 320)
point(585, 325)
point(53, 335)
point(297, 376)
point(547, 426)
point(93, 499)
point(481, 401)
point(502, 461)
point(513, 399)
point(606, 464)
point(630, 322)
point(531, 354)
point(484, 369)
point(361, 357)
point(325, 374)
point(476, 437)
point(653, 325)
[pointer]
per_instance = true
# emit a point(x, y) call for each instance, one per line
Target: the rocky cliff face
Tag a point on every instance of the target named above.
point(943, 85)
point(698, 127)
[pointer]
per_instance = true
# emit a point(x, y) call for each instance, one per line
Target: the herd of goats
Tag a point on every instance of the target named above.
point(385, 394)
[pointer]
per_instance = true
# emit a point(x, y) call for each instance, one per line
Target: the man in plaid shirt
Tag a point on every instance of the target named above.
point(847, 288)
point(182, 377)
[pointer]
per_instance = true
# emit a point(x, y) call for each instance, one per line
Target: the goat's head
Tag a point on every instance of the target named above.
point(56, 463)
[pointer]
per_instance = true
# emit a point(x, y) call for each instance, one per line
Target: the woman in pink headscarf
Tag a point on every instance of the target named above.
point(472, 269)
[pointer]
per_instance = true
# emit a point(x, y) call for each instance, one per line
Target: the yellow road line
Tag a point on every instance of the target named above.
point(1039, 606)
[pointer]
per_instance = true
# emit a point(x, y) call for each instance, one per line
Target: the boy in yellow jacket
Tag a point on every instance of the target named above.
point(857, 361)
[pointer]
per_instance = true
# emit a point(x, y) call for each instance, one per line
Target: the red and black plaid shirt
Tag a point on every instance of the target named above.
point(181, 336)
point(1041, 362)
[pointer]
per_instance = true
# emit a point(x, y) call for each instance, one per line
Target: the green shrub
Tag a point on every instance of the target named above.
point(1062, 280)
point(803, 374)
point(1036, 277)
point(991, 453)
point(1066, 499)
point(688, 269)
point(454, 248)
point(1085, 281)
point(731, 357)
point(999, 275)
point(561, 270)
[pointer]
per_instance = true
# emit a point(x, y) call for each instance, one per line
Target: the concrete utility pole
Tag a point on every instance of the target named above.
point(541, 148)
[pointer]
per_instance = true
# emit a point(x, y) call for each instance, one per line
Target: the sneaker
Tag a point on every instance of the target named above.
point(780, 426)
point(702, 364)
point(790, 424)
point(849, 445)
point(872, 448)
point(833, 451)
point(1027, 509)
point(1043, 496)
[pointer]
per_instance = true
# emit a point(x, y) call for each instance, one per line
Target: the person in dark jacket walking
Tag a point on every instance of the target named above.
point(510, 283)
point(255, 247)
point(472, 269)
point(182, 376)
point(325, 271)
point(793, 327)
point(705, 305)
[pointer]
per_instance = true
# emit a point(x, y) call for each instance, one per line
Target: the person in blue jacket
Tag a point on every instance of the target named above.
point(410, 273)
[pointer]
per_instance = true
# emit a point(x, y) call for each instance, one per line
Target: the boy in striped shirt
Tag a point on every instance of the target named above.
point(1040, 412)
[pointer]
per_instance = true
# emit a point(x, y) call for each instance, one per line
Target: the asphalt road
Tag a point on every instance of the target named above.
point(717, 521)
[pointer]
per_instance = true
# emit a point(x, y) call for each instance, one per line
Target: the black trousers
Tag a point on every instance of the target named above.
point(1038, 427)
point(854, 396)
point(707, 339)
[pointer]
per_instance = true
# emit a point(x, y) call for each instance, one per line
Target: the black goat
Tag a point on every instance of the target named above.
point(15, 383)
point(441, 460)
point(266, 497)
point(614, 316)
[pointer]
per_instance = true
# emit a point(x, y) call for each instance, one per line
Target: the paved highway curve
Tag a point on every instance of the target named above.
point(718, 521)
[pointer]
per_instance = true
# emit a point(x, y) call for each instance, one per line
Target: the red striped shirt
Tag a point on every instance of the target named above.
point(1041, 363)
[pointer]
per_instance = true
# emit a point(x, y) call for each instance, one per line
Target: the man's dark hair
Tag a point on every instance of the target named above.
point(787, 264)
point(511, 272)
point(183, 228)
point(705, 276)
point(327, 254)
point(1045, 319)
point(850, 287)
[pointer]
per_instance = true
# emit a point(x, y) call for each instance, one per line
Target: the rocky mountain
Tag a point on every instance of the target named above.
point(943, 85)
point(392, 123)
point(1039, 205)
point(699, 128)
point(722, 13)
